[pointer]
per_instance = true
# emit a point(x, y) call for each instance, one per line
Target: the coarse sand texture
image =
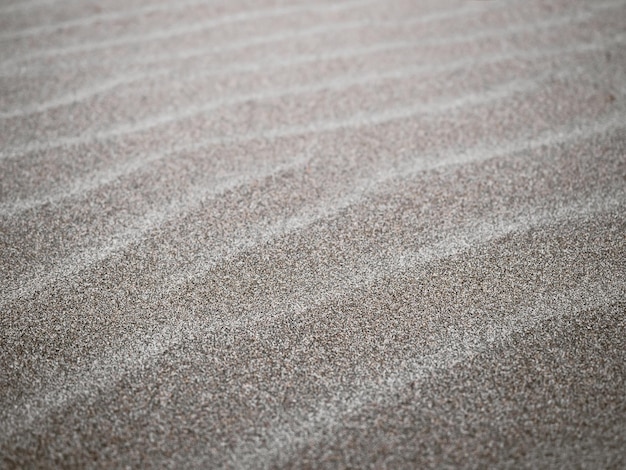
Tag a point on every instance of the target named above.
point(313, 234)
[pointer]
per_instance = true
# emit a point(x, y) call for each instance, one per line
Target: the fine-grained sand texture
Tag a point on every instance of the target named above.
point(313, 234)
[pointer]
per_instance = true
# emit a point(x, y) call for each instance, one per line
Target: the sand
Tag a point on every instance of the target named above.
point(312, 234)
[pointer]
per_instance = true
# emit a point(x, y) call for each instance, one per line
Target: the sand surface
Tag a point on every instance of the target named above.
point(313, 234)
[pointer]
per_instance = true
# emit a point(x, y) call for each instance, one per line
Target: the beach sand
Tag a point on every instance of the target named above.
point(313, 234)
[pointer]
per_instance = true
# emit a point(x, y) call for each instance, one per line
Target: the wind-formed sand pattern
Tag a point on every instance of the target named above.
point(306, 234)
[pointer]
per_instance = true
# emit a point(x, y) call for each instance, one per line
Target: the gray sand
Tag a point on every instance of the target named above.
point(258, 234)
